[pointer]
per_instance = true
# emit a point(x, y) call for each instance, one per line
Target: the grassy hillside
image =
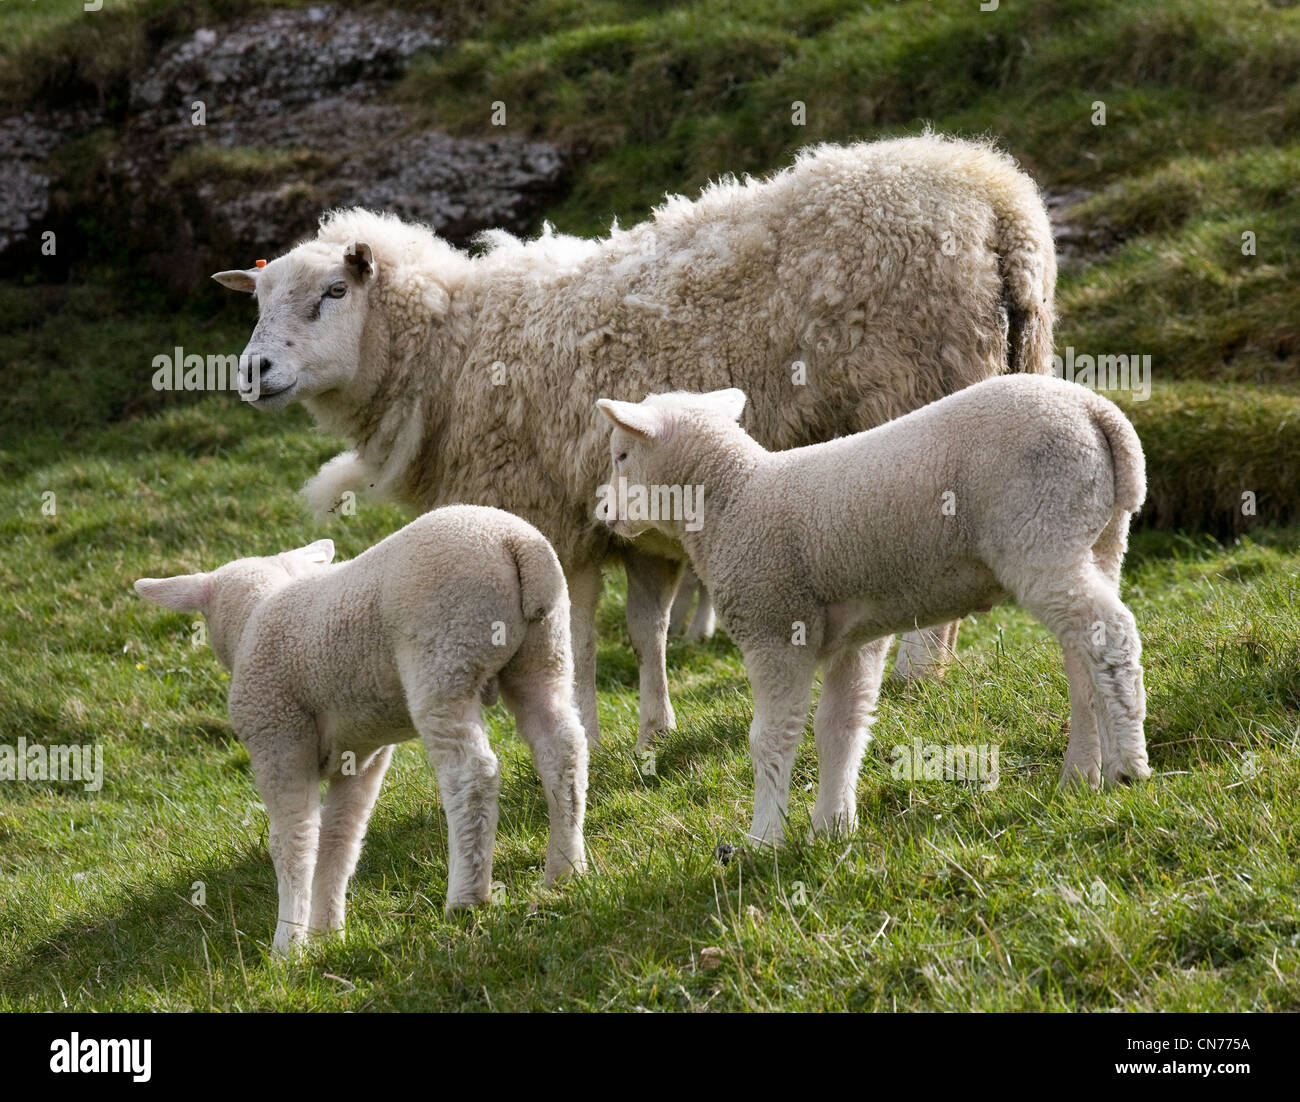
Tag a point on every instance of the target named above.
point(1179, 895)
point(948, 897)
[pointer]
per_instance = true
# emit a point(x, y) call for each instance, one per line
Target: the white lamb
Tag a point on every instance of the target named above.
point(1020, 485)
point(332, 665)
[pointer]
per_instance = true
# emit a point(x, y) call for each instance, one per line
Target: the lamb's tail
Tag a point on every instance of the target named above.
point(1027, 262)
point(541, 579)
point(1127, 460)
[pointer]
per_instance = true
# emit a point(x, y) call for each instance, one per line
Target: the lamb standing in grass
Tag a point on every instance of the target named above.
point(332, 665)
point(1021, 485)
point(854, 286)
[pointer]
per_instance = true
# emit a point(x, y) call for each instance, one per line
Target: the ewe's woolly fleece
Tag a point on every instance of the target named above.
point(1037, 469)
point(895, 271)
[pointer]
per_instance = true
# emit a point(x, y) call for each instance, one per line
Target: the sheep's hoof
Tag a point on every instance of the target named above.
point(1126, 772)
point(1079, 774)
point(646, 739)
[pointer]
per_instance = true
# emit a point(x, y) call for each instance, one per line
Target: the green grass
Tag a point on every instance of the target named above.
point(946, 898)
point(1180, 895)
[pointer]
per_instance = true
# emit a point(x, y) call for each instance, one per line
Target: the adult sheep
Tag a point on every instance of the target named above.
point(852, 287)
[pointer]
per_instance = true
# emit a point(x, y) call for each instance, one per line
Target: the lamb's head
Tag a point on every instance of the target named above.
point(658, 451)
point(226, 596)
point(313, 303)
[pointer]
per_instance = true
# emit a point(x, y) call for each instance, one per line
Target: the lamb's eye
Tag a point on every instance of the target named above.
point(621, 458)
point(337, 289)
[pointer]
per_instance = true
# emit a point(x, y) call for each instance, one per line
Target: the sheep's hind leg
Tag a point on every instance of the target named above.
point(926, 652)
point(842, 727)
point(288, 778)
point(1083, 754)
point(651, 581)
point(705, 621)
point(782, 686)
point(469, 779)
point(548, 723)
point(348, 803)
point(680, 614)
point(1084, 612)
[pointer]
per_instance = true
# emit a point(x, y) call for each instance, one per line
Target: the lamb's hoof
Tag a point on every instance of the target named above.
point(1130, 771)
point(1078, 774)
point(838, 824)
point(462, 909)
point(648, 737)
point(562, 871)
point(288, 942)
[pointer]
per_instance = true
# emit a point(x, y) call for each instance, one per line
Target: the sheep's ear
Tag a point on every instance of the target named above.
point(360, 260)
point(238, 280)
point(638, 419)
point(183, 593)
point(320, 552)
point(730, 401)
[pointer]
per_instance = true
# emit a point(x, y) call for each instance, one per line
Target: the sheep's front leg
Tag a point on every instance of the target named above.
point(842, 727)
point(289, 782)
point(782, 687)
point(651, 582)
point(469, 778)
point(927, 652)
point(584, 596)
point(348, 803)
point(548, 723)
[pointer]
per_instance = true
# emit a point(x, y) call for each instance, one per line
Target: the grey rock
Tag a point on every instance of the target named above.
point(306, 88)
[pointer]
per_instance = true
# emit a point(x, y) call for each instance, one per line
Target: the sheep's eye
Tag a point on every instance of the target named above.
point(621, 458)
point(337, 289)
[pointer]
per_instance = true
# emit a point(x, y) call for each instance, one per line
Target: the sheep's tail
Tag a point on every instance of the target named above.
point(541, 580)
point(1127, 460)
point(1027, 262)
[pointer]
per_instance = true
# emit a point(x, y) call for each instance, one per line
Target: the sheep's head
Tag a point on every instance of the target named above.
point(657, 448)
point(227, 595)
point(313, 303)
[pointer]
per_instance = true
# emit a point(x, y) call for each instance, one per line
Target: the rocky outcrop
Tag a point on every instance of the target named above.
point(237, 137)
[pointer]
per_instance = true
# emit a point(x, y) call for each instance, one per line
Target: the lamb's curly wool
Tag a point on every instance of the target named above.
point(856, 285)
point(332, 665)
point(1021, 485)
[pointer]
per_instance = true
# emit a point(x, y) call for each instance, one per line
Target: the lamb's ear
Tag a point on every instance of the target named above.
point(360, 260)
point(183, 593)
point(320, 552)
point(238, 280)
point(730, 401)
point(638, 419)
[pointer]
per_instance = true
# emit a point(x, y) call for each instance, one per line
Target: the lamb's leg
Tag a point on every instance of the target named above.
point(651, 581)
point(842, 727)
point(469, 778)
point(1083, 754)
point(927, 652)
point(348, 803)
point(782, 688)
point(704, 622)
point(548, 723)
point(289, 782)
point(1084, 612)
point(680, 615)
point(584, 596)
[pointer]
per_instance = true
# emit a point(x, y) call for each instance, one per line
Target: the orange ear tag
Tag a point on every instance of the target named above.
point(261, 263)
